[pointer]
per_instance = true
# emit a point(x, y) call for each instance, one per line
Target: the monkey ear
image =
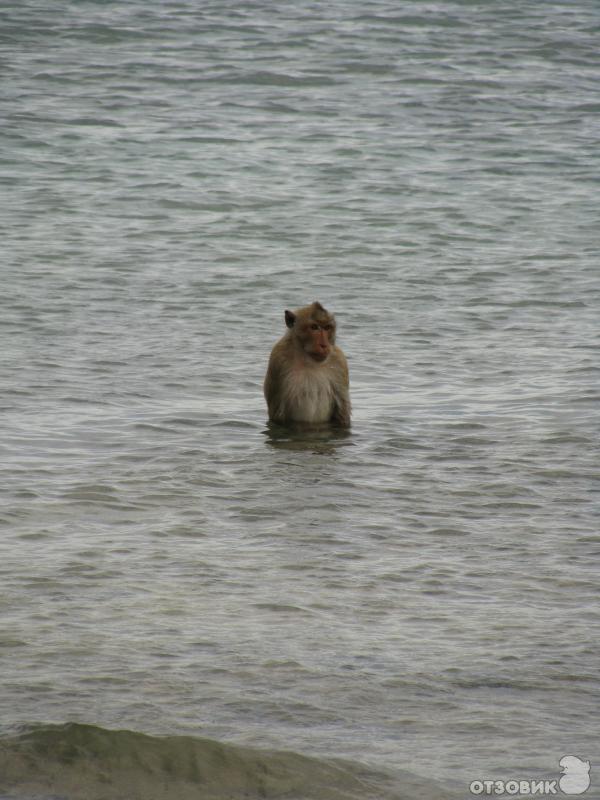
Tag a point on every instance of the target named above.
point(290, 318)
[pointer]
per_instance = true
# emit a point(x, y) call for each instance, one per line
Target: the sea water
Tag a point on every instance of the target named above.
point(195, 605)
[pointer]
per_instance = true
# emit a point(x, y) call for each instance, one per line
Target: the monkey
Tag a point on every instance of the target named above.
point(307, 378)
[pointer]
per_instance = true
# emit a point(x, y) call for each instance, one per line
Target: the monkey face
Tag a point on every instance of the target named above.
point(314, 330)
point(317, 339)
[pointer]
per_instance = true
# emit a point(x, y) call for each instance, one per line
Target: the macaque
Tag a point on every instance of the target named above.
point(307, 376)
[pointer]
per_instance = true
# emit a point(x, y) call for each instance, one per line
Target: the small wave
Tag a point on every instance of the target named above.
point(272, 78)
point(85, 762)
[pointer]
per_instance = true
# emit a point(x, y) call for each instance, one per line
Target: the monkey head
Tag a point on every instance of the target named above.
point(313, 330)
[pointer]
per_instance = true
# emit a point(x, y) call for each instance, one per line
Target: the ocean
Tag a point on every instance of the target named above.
point(197, 605)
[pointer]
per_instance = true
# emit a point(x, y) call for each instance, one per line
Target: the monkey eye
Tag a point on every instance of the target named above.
point(314, 327)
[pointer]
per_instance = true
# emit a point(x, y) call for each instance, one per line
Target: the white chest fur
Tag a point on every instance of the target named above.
point(310, 395)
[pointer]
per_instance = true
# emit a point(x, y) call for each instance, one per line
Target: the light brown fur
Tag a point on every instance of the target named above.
point(307, 377)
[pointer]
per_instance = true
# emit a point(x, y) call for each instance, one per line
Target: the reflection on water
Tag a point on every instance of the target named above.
point(320, 439)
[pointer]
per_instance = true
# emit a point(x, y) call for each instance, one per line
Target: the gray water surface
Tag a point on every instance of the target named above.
point(420, 595)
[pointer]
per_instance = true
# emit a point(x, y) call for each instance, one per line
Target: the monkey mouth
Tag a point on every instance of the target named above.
point(320, 356)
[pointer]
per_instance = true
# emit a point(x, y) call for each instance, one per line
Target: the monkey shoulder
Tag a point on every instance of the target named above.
point(340, 363)
point(279, 356)
point(277, 370)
